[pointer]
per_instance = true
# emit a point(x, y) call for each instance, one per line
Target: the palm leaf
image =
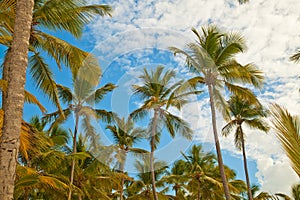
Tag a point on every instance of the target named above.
point(43, 77)
point(287, 131)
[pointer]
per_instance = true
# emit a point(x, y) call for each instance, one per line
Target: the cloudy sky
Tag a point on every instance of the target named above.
point(272, 32)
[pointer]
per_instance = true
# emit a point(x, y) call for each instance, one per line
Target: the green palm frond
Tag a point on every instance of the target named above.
point(104, 115)
point(232, 44)
point(99, 94)
point(258, 124)
point(65, 94)
point(44, 79)
point(139, 113)
point(287, 131)
point(176, 124)
point(228, 128)
point(68, 15)
point(242, 92)
point(62, 52)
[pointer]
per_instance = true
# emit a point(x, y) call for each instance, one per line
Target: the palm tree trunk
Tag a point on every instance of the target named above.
point(16, 64)
point(246, 169)
point(152, 155)
point(74, 151)
point(122, 170)
point(217, 143)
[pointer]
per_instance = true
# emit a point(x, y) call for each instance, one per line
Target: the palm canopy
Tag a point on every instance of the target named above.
point(211, 58)
point(243, 112)
point(52, 15)
point(287, 130)
point(81, 102)
point(159, 93)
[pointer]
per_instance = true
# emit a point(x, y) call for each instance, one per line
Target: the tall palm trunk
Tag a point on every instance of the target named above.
point(122, 180)
point(74, 151)
point(217, 143)
point(246, 169)
point(152, 155)
point(16, 64)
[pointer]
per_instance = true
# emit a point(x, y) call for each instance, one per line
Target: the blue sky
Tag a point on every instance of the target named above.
point(139, 34)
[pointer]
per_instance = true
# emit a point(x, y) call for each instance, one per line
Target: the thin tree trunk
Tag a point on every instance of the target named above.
point(73, 160)
point(246, 169)
point(217, 143)
point(16, 64)
point(152, 155)
point(122, 180)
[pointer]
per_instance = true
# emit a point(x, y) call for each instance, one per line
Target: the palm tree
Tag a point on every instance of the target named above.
point(16, 63)
point(204, 178)
point(287, 131)
point(243, 1)
point(125, 136)
point(54, 15)
point(177, 178)
point(295, 193)
point(158, 95)
point(80, 102)
point(211, 58)
point(243, 112)
point(141, 189)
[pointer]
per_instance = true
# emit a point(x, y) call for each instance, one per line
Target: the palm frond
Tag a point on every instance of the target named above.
point(68, 15)
point(242, 92)
point(232, 44)
point(99, 94)
point(43, 77)
point(30, 98)
point(295, 57)
point(228, 128)
point(65, 94)
point(288, 132)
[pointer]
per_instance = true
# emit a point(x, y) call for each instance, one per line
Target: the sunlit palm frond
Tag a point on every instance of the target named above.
point(104, 115)
point(43, 78)
point(30, 98)
point(68, 15)
point(242, 92)
point(287, 129)
point(65, 94)
point(232, 44)
point(99, 93)
point(176, 124)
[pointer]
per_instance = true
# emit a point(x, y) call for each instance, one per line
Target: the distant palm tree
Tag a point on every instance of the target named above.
point(243, 112)
point(141, 189)
point(243, 1)
point(125, 136)
point(159, 93)
point(211, 59)
point(287, 131)
point(81, 102)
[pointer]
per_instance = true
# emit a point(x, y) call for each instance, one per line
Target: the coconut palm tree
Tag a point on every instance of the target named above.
point(18, 28)
point(204, 177)
point(52, 15)
point(16, 63)
point(243, 1)
point(80, 101)
point(125, 135)
point(177, 178)
point(243, 112)
point(141, 189)
point(287, 131)
point(211, 59)
point(159, 94)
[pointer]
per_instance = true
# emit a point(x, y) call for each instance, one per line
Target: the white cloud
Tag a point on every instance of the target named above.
point(271, 30)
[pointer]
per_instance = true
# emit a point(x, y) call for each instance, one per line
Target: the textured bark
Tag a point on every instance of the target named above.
point(217, 143)
point(122, 170)
point(74, 151)
point(246, 169)
point(152, 156)
point(13, 100)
